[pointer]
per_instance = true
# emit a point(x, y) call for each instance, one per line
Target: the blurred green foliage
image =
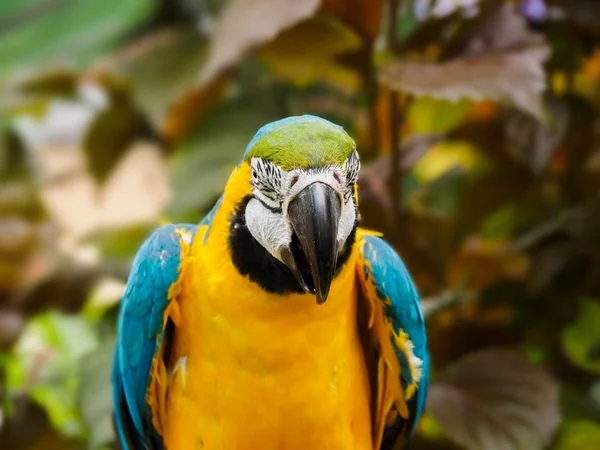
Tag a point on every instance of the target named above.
point(477, 123)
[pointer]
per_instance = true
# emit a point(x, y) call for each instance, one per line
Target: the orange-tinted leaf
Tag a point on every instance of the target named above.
point(381, 123)
point(190, 107)
point(496, 400)
point(484, 110)
point(248, 23)
point(364, 17)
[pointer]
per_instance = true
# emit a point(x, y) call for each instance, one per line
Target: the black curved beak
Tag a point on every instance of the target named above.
point(314, 214)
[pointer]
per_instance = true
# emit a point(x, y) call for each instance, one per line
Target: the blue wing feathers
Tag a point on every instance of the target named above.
point(117, 396)
point(140, 325)
point(393, 282)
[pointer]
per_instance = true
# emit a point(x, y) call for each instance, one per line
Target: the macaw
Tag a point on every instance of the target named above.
point(219, 345)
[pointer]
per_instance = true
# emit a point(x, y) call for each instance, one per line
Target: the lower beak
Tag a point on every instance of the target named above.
point(314, 214)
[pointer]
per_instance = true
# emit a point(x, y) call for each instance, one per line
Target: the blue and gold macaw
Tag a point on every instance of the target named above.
point(221, 344)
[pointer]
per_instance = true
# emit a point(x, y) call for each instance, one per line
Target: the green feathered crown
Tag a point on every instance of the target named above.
point(300, 142)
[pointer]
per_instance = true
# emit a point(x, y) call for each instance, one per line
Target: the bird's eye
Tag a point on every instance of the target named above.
point(294, 179)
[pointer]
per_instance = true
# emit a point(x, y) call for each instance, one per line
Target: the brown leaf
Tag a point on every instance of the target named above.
point(496, 399)
point(533, 143)
point(248, 23)
point(502, 61)
point(11, 324)
point(56, 83)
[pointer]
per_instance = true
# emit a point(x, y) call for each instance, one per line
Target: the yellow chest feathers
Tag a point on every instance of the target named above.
point(254, 370)
point(258, 370)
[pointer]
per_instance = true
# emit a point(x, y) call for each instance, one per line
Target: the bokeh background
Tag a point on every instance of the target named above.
point(479, 131)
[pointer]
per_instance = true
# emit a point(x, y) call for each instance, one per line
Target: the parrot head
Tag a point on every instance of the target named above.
point(303, 207)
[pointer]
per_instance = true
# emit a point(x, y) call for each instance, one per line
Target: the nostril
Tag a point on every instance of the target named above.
point(337, 177)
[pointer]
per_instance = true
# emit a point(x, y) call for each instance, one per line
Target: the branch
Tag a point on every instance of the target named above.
point(395, 118)
point(433, 305)
point(554, 225)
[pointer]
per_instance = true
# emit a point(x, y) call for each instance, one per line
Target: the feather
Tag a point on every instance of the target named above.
point(397, 327)
point(145, 308)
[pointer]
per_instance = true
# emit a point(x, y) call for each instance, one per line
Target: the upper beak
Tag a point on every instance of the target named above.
point(314, 214)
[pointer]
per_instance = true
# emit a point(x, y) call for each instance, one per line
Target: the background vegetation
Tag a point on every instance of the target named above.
point(478, 124)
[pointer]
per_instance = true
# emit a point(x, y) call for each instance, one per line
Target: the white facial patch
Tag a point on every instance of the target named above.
point(299, 179)
point(347, 221)
point(341, 180)
point(271, 229)
point(351, 169)
point(268, 181)
point(274, 189)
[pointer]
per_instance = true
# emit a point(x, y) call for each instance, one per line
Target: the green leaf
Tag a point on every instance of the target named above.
point(594, 396)
point(495, 399)
point(11, 8)
point(578, 434)
point(44, 365)
point(502, 223)
point(47, 31)
point(109, 137)
point(437, 198)
point(430, 115)
point(451, 155)
point(105, 296)
point(580, 337)
point(309, 53)
point(58, 401)
point(95, 395)
point(123, 242)
point(407, 22)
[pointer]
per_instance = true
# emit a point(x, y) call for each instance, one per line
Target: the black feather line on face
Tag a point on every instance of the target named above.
point(253, 260)
point(267, 179)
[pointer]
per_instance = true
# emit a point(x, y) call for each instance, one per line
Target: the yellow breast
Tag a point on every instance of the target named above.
point(263, 371)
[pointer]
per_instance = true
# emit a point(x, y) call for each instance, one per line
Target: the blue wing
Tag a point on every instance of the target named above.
point(388, 284)
point(140, 332)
